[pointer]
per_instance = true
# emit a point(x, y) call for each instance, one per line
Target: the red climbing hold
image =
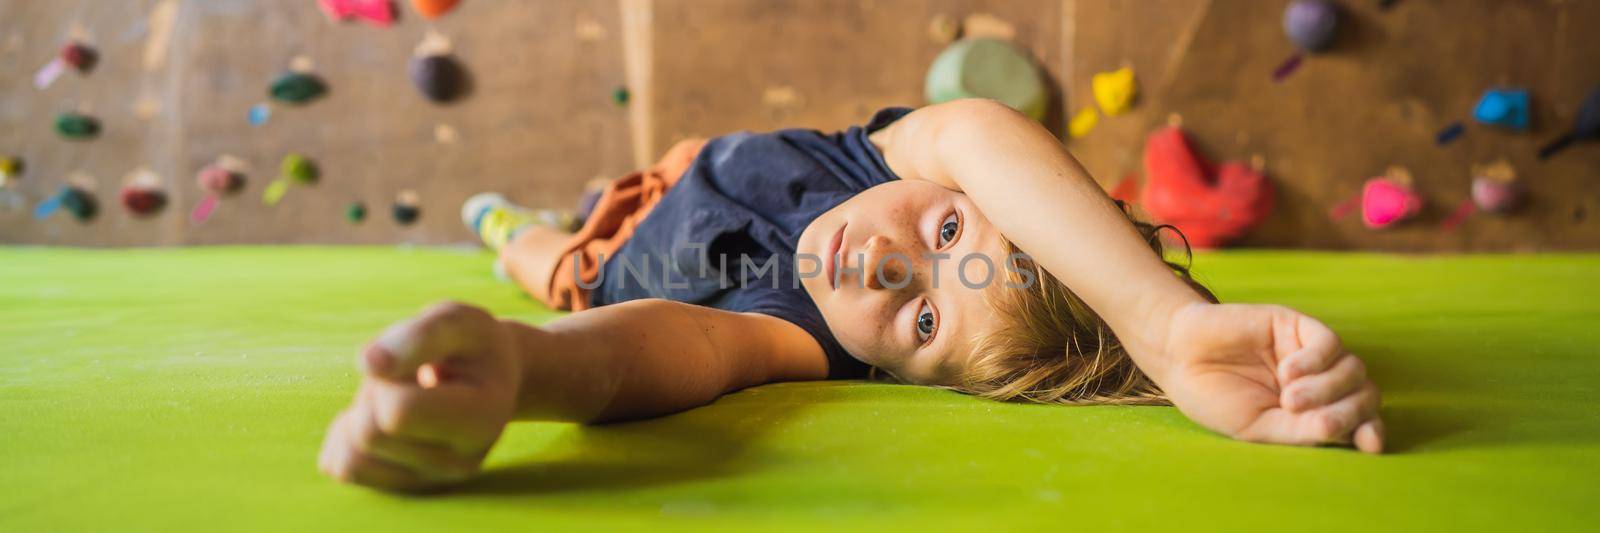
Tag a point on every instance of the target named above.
point(143, 200)
point(1211, 205)
point(1127, 190)
point(78, 55)
point(377, 12)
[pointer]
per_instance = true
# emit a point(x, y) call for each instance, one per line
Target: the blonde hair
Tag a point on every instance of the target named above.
point(1052, 348)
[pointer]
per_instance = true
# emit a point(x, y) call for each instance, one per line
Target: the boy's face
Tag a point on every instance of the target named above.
point(918, 317)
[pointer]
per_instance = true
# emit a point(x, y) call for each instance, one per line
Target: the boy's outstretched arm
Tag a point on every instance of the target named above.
point(648, 358)
point(438, 388)
point(1253, 372)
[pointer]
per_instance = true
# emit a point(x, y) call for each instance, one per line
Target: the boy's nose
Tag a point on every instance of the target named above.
point(895, 265)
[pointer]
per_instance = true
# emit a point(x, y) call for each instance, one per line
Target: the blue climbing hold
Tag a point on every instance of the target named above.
point(1507, 108)
point(48, 207)
point(259, 114)
point(72, 199)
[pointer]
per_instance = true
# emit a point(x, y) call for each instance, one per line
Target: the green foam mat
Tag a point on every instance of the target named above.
point(188, 389)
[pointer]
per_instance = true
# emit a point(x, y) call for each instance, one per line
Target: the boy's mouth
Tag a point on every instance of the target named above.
point(833, 256)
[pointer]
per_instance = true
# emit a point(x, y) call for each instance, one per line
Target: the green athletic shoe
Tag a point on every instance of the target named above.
point(496, 221)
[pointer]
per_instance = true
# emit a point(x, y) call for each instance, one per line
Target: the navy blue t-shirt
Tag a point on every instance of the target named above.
point(725, 234)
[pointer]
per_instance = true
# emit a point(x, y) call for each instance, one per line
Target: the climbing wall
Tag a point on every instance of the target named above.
point(725, 65)
point(175, 79)
point(1396, 74)
point(1391, 80)
point(173, 95)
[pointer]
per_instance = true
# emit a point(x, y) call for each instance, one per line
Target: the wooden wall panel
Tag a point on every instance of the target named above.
point(1393, 79)
point(33, 31)
point(540, 121)
point(1102, 40)
point(726, 65)
point(538, 124)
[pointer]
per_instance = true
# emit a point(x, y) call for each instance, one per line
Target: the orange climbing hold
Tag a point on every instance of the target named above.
point(432, 9)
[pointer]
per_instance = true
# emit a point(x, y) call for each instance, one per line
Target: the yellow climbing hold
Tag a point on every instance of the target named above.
point(1083, 122)
point(275, 192)
point(1115, 90)
point(9, 168)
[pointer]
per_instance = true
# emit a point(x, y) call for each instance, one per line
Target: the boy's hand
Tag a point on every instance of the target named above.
point(438, 390)
point(1266, 373)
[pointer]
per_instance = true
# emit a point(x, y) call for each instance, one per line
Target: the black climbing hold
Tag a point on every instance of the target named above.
point(78, 202)
point(77, 125)
point(438, 77)
point(620, 96)
point(406, 214)
point(297, 88)
point(1586, 126)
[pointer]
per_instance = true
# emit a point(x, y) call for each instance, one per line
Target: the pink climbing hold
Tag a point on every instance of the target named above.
point(202, 211)
point(1385, 202)
point(1458, 216)
point(376, 12)
point(216, 180)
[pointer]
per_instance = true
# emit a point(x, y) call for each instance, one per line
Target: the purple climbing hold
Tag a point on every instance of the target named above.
point(1311, 23)
point(1449, 133)
point(438, 77)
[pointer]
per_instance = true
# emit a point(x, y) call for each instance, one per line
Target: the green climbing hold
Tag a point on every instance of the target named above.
point(355, 212)
point(297, 88)
point(298, 168)
point(620, 96)
point(987, 68)
point(77, 125)
point(274, 192)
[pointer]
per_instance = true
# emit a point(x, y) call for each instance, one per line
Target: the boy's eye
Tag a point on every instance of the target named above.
point(926, 323)
point(949, 229)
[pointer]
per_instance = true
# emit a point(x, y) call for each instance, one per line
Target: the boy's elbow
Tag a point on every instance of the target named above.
point(979, 113)
point(968, 120)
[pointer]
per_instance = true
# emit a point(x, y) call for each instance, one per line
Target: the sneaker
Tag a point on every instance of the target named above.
point(496, 221)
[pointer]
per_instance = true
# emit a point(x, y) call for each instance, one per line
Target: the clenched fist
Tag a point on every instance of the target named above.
point(437, 391)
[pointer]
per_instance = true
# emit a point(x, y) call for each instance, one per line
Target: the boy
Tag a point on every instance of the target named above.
point(894, 246)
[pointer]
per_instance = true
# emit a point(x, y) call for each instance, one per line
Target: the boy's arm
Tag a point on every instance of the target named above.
point(1261, 373)
point(1042, 200)
point(439, 388)
point(652, 357)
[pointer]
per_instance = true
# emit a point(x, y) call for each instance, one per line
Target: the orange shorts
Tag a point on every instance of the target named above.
point(622, 206)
